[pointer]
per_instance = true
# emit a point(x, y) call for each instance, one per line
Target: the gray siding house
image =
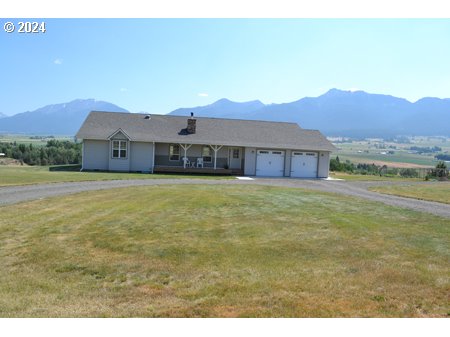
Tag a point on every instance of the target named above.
point(129, 142)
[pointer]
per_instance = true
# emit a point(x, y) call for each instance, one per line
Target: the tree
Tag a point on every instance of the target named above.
point(441, 170)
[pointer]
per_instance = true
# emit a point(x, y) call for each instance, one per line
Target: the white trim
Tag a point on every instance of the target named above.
point(153, 162)
point(82, 156)
point(318, 163)
point(111, 142)
point(117, 131)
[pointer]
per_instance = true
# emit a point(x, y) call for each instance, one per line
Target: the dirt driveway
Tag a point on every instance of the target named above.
point(16, 194)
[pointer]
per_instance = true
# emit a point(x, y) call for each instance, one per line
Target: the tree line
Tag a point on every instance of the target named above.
point(440, 171)
point(421, 150)
point(55, 152)
point(443, 157)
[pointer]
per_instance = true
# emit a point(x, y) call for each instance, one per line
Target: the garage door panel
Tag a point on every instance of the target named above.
point(304, 164)
point(270, 163)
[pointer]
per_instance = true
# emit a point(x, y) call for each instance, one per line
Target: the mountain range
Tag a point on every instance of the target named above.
point(343, 113)
point(335, 113)
point(55, 119)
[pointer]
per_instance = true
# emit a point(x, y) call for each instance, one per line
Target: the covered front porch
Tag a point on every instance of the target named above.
point(196, 170)
point(198, 158)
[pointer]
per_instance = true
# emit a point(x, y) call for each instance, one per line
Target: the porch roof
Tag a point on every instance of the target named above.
point(218, 131)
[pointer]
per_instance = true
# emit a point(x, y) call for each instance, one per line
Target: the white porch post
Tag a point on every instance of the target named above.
point(185, 148)
point(215, 149)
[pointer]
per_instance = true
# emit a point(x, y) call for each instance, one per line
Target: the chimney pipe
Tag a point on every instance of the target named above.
point(191, 124)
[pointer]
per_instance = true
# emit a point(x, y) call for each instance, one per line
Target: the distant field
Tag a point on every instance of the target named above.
point(29, 139)
point(221, 251)
point(400, 161)
point(377, 152)
point(368, 177)
point(24, 175)
point(437, 191)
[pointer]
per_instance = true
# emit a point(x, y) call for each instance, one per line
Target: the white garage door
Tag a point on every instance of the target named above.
point(304, 164)
point(270, 163)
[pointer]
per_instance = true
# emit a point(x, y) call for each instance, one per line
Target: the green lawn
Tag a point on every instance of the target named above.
point(437, 191)
point(24, 175)
point(218, 251)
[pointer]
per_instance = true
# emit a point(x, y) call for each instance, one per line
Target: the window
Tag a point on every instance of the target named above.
point(206, 154)
point(174, 152)
point(236, 153)
point(119, 148)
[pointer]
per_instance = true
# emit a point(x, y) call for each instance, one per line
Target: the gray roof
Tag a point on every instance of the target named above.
point(213, 131)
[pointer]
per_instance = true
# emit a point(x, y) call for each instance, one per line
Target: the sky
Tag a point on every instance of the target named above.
point(159, 65)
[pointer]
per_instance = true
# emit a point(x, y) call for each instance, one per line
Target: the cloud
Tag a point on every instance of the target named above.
point(123, 89)
point(58, 61)
point(202, 94)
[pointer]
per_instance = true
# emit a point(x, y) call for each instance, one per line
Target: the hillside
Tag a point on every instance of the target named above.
point(223, 108)
point(56, 119)
point(345, 113)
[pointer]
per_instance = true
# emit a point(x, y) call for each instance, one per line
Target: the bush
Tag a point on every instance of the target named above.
point(409, 173)
point(337, 166)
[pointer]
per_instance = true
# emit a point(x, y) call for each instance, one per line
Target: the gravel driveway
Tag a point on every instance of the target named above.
point(15, 194)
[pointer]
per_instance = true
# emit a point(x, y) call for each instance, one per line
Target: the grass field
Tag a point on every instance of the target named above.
point(399, 160)
point(220, 251)
point(369, 177)
point(24, 175)
point(377, 151)
point(439, 191)
point(30, 139)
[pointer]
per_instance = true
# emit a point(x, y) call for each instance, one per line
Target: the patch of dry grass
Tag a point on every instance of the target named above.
point(438, 191)
point(369, 177)
point(220, 251)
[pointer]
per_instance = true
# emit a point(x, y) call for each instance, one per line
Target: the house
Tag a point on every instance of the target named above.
point(129, 142)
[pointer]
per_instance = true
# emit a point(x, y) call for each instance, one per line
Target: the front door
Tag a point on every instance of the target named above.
point(235, 157)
